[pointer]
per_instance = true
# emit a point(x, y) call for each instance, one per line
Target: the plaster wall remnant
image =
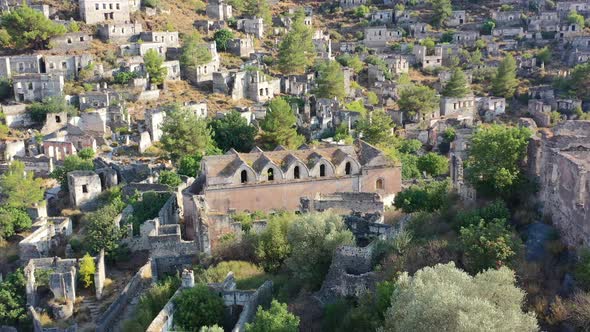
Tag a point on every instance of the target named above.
point(83, 186)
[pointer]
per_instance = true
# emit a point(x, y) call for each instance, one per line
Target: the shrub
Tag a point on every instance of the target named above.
point(197, 307)
point(150, 304)
point(247, 275)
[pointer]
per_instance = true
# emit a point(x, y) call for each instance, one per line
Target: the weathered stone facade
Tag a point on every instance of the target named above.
point(98, 11)
point(560, 159)
point(36, 87)
point(84, 186)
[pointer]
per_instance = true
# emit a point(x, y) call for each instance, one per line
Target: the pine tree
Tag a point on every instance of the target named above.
point(330, 81)
point(259, 8)
point(457, 86)
point(442, 9)
point(296, 51)
point(505, 82)
point(153, 65)
point(279, 125)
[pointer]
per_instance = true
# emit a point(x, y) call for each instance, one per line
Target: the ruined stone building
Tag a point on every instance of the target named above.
point(275, 180)
point(98, 11)
point(166, 37)
point(36, 87)
point(241, 47)
point(560, 159)
point(203, 73)
point(119, 32)
point(219, 10)
point(250, 84)
point(427, 59)
point(380, 36)
point(253, 26)
point(351, 3)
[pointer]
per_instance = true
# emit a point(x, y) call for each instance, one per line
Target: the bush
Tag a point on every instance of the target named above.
point(169, 178)
point(247, 275)
point(124, 77)
point(197, 307)
point(276, 319)
point(582, 270)
point(426, 197)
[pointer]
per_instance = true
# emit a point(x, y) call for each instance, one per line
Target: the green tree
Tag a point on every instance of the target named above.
point(330, 81)
point(272, 247)
point(153, 65)
point(376, 127)
point(362, 11)
point(276, 319)
point(457, 86)
point(494, 210)
point(442, 10)
point(575, 18)
point(582, 269)
point(495, 154)
point(71, 163)
point(214, 328)
point(372, 98)
point(233, 131)
point(102, 232)
point(488, 244)
point(189, 165)
point(5, 88)
point(184, 133)
point(444, 298)
point(196, 307)
point(29, 28)
point(426, 197)
point(350, 61)
point(124, 77)
point(279, 125)
point(433, 164)
point(13, 310)
point(579, 81)
point(222, 37)
point(86, 154)
point(55, 104)
point(418, 99)
point(313, 238)
point(544, 55)
point(259, 8)
point(21, 189)
point(505, 82)
point(87, 270)
point(169, 178)
point(296, 50)
point(13, 220)
point(195, 51)
point(488, 27)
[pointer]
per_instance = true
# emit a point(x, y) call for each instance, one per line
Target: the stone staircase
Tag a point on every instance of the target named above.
point(90, 303)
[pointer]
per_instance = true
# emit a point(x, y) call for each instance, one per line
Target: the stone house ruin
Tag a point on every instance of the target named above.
point(62, 282)
point(254, 26)
point(47, 234)
point(98, 11)
point(204, 73)
point(384, 16)
point(84, 186)
point(241, 47)
point(458, 18)
point(219, 10)
point(119, 32)
point(169, 38)
point(251, 84)
point(36, 87)
point(428, 60)
point(380, 36)
point(457, 156)
point(241, 304)
point(71, 41)
point(560, 160)
point(70, 65)
point(348, 4)
point(462, 107)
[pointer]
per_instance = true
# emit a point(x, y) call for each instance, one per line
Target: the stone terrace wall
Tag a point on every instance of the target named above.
point(262, 296)
point(106, 321)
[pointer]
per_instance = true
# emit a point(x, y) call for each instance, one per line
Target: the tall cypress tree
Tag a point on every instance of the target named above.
point(505, 82)
point(457, 86)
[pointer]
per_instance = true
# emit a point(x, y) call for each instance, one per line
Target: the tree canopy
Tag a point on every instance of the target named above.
point(426, 197)
point(418, 99)
point(442, 10)
point(28, 28)
point(195, 51)
point(296, 50)
point(233, 131)
point(153, 65)
point(376, 127)
point(505, 82)
point(330, 81)
point(259, 8)
point(222, 37)
point(13, 220)
point(276, 319)
point(457, 86)
point(575, 18)
point(279, 126)
point(13, 311)
point(87, 269)
point(20, 189)
point(197, 307)
point(184, 133)
point(313, 238)
point(495, 154)
point(433, 164)
point(444, 298)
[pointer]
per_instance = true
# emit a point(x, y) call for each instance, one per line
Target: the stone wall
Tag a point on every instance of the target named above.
point(106, 321)
point(348, 202)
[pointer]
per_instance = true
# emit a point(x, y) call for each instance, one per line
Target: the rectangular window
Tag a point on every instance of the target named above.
point(96, 6)
point(85, 188)
point(118, 6)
